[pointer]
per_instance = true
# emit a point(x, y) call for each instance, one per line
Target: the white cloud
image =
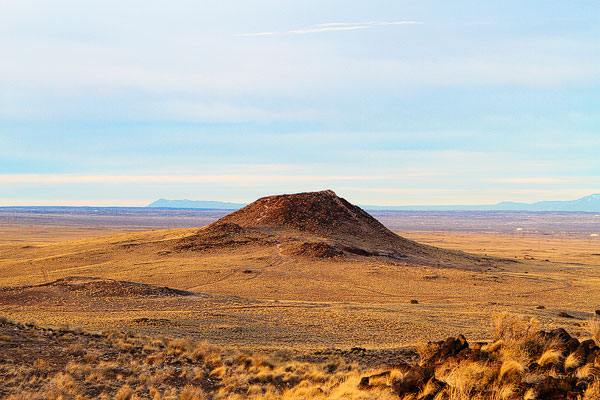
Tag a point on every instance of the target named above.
point(562, 180)
point(198, 179)
point(37, 202)
point(333, 27)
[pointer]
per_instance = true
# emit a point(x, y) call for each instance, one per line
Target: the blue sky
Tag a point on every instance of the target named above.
point(385, 102)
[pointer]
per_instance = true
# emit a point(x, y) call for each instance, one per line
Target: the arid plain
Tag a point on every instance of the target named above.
point(258, 296)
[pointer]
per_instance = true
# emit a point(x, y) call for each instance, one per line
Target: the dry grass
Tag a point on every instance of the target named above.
point(371, 306)
point(513, 328)
point(593, 328)
point(130, 367)
point(573, 361)
point(125, 366)
point(592, 392)
point(370, 309)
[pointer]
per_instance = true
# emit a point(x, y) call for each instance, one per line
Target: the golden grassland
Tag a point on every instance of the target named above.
point(266, 325)
point(519, 363)
point(258, 297)
point(561, 247)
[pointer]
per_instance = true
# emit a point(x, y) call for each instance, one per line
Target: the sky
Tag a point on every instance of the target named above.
point(386, 102)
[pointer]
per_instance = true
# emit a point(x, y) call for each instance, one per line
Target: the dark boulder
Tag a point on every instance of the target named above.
point(413, 381)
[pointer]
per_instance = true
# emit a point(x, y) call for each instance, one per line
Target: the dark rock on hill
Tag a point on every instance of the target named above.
point(76, 286)
point(321, 213)
point(224, 235)
point(556, 380)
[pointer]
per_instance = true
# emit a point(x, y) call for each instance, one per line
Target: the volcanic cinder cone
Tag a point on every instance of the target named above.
point(322, 218)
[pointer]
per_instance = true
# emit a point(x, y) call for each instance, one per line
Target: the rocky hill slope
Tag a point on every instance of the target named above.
point(320, 224)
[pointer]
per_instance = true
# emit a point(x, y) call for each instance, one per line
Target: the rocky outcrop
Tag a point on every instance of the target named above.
point(560, 367)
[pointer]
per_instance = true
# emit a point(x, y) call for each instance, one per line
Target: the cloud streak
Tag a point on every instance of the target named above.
point(332, 27)
point(218, 179)
point(570, 180)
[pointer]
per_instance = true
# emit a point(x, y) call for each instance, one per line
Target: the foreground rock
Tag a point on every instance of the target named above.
point(541, 365)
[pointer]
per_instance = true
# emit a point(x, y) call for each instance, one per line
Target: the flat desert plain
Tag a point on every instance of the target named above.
point(543, 265)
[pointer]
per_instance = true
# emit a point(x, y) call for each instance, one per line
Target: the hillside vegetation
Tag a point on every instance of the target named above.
point(521, 363)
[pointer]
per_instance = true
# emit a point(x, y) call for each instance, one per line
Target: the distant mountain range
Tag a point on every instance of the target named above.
point(211, 205)
point(589, 203)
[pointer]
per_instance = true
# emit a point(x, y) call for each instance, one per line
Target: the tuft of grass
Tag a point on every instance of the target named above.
point(573, 361)
point(76, 349)
point(593, 328)
point(190, 392)
point(551, 357)
point(425, 350)
point(592, 392)
point(512, 369)
point(125, 393)
point(513, 328)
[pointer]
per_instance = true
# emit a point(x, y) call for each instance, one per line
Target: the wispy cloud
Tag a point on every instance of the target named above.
point(220, 179)
point(572, 180)
point(333, 27)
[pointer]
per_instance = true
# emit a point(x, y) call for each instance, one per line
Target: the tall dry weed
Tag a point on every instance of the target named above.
point(513, 328)
point(593, 328)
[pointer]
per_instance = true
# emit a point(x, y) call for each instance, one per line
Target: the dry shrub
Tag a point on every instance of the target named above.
point(123, 345)
point(91, 356)
point(78, 370)
point(532, 379)
point(61, 386)
point(530, 394)
point(178, 346)
point(430, 389)
point(199, 351)
point(592, 392)
point(593, 328)
point(347, 388)
point(573, 361)
point(463, 378)
point(40, 367)
point(176, 369)
point(587, 371)
point(512, 368)
point(76, 349)
point(213, 360)
point(148, 348)
point(108, 366)
point(153, 359)
point(513, 328)
point(197, 374)
point(426, 350)
point(219, 372)
point(190, 392)
point(153, 379)
point(551, 357)
point(125, 393)
point(504, 392)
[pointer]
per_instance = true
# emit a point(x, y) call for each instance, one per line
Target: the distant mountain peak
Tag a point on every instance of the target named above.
point(589, 203)
point(202, 204)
